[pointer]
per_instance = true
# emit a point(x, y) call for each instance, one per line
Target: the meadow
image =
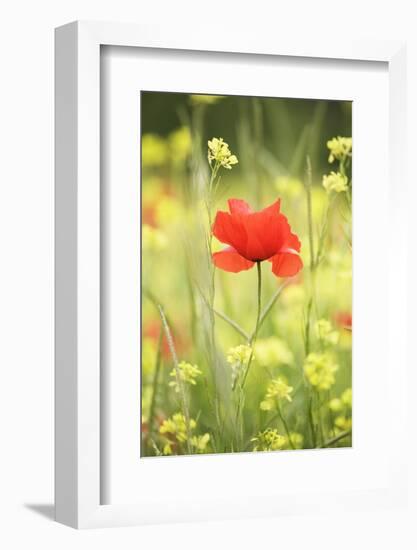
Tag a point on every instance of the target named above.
point(246, 266)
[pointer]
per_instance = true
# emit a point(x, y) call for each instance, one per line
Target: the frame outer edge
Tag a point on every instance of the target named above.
point(66, 345)
point(399, 247)
point(77, 249)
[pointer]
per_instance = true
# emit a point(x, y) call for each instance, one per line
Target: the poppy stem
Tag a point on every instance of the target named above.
point(254, 336)
point(252, 341)
point(269, 306)
point(258, 317)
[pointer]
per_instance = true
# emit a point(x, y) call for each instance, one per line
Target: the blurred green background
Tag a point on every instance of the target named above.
point(290, 128)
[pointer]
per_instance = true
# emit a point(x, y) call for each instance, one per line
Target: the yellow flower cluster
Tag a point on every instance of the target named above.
point(238, 357)
point(239, 354)
point(325, 332)
point(200, 442)
point(320, 369)
point(347, 397)
point(343, 423)
point(277, 389)
point(337, 404)
point(219, 152)
point(269, 440)
point(272, 351)
point(340, 148)
point(335, 181)
point(176, 428)
point(187, 374)
point(343, 406)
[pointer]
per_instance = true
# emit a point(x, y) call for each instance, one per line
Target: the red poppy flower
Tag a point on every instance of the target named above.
point(152, 329)
point(344, 319)
point(254, 237)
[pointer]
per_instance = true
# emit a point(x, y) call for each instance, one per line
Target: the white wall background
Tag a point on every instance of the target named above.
point(26, 268)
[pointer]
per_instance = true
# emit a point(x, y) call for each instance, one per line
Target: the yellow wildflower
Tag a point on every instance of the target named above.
point(335, 404)
point(176, 426)
point(320, 369)
point(239, 354)
point(187, 374)
point(268, 440)
point(277, 389)
point(344, 402)
point(237, 358)
point(325, 332)
point(340, 148)
point(335, 181)
point(200, 442)
point(167, 450)
point(346, 397)
point(219, 152)
point(343, 423)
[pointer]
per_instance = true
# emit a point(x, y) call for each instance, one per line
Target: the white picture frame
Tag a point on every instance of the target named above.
point(78, 426)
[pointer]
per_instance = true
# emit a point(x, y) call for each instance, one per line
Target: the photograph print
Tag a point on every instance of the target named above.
point(246, 274)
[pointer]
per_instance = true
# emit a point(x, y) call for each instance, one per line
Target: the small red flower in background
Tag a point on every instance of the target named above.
point(152, 329)
point(254, 237)
point(344, 319)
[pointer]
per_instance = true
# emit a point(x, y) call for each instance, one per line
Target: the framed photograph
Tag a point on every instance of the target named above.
point(228, 321)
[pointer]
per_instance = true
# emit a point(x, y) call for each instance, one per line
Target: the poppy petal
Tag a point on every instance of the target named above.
point(237, 206)
point(229, 260)
point(294, 242)
point(267, 233)
point(230, 230)
point(272, 208)
point(287, 263)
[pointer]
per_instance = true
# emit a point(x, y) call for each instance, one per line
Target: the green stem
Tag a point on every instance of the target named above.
point(212, 291)
point(335, 439)
point(233, 324)
point(311, 421)
point(155, 381)
point(252, 343)
point(268, 307)
point(258, 317)
point(284, 422)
